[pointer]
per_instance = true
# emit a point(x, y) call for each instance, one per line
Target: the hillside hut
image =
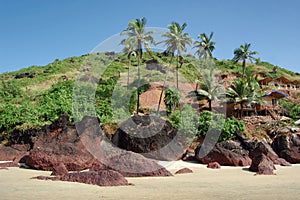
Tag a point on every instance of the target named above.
point(272, 97)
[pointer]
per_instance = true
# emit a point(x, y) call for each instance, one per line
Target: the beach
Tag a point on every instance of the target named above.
point(204, 183)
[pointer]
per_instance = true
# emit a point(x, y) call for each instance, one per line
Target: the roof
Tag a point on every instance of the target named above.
point(277, 94)
point(284, 80)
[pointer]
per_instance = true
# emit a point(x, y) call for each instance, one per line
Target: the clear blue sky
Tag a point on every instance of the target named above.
point(36, 32)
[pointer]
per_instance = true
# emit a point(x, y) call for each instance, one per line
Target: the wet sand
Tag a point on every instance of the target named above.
point(225, 183)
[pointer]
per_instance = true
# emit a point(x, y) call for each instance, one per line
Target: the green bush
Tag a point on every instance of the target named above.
point(228, 127)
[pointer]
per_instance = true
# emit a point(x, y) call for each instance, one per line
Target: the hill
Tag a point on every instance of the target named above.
point(38, 95)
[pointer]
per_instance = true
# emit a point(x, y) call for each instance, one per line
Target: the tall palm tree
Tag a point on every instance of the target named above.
point(137, 38)
point(205, 47)
point(243, 53)
point(176, 41)
point(210, 89)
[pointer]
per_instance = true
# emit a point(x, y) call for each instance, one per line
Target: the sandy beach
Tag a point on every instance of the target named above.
point(224, 183)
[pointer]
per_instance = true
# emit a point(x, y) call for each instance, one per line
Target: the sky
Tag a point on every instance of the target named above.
point(36, 32)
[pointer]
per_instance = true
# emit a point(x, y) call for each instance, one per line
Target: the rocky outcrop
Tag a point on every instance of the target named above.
point(184, 171)
point(59, 170)
point(9, 153)
point(131, 164)
point(264, 148)
point(214, 165)
point(150, 136)
point(287, 146)
point(101, 178)
point(261, 164)
point(59, 143)
point(229, 153)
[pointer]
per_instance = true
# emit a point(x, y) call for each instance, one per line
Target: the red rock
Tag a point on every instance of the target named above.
point(214, 165)
point(101, 178)
point(287, 146)
point(10, 153)
point(228, 153)
point(184, 171)
point(152, 136)
point(264, 148)
point(261, 164)
point(59, 170)
point(60, 143)
point(131, 164)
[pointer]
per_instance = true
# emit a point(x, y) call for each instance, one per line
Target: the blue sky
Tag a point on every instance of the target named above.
point(36, 32)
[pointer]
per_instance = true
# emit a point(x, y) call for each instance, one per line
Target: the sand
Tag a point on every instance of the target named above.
point(225, 183)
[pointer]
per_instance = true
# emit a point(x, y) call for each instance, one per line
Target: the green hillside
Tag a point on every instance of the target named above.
point(38, 95)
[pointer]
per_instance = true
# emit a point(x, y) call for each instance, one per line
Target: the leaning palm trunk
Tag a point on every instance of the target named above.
point(162, 90)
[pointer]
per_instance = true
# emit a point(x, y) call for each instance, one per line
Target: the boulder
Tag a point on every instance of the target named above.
point(9, 164)
point(60, 143)
point(84, 147)
point(131, 164)
point(229, 153)
point(184, 171)
point(264, 148)
point(101, 178)
point(287, 146)
point(8, 153)
point(214, 165)
point(261, 164)
point(59, 170)
point(150, 136)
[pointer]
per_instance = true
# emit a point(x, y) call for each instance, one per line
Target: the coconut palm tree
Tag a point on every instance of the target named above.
point(243, 53)
point(238, 93)
point(176, 41)
point(205, 47)
point(137, 39)
point(210, 89)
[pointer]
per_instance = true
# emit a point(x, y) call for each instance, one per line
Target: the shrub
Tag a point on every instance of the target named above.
point(228, 127)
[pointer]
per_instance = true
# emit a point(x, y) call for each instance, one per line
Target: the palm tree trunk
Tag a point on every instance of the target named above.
point(140, 51)
point(162, 90)
point(138, 87)
point(244, 67)
point(177, 71)
point(129, 63)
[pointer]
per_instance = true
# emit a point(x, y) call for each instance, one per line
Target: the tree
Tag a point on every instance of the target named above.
point(172, 98)
point(243, 91)
point(176, 41)
point(205, 46)
point(137, 38)
point(130, 52)
point(243, 53)
point(210, 89)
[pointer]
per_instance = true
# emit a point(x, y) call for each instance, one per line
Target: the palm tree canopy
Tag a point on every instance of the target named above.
point(243, 53)
point(137, 36)
point(176, 40)
point(210, 89)
point(205, 46)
